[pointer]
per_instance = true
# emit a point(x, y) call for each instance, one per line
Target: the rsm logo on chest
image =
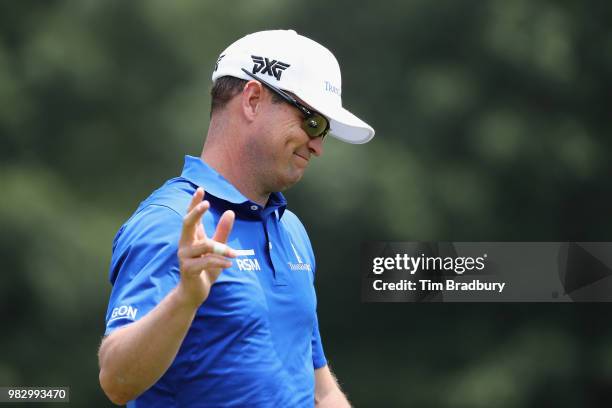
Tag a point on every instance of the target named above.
point(248, 264)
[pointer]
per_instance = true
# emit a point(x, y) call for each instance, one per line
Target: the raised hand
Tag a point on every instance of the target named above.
point(202, 259)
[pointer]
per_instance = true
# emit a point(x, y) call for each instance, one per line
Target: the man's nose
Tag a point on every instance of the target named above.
point(315, 145)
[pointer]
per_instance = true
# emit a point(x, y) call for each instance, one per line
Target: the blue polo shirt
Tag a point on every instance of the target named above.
point(255, 340)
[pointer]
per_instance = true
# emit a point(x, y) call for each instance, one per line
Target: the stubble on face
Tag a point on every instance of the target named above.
point(278, 153)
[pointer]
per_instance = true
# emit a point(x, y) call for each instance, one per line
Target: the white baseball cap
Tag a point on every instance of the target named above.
point(298, 65)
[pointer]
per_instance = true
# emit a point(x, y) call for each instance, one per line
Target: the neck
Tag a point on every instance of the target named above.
point(225, 154)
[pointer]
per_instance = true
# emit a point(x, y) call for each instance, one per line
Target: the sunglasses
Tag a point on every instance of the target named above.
point(314, 124)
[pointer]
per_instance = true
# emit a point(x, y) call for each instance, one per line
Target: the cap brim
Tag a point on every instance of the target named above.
point(349, 128)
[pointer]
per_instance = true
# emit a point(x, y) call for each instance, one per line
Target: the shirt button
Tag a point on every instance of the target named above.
point(270, 245)
point(254, 208)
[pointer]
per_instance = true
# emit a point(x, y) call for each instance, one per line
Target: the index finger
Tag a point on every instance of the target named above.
point(197, 208)
point(196, 199)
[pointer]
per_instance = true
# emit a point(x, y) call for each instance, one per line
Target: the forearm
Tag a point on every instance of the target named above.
point(327, 391)
point(133, 358)
point(334, 399)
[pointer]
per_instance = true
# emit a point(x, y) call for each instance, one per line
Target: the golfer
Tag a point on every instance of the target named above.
point(213, 301)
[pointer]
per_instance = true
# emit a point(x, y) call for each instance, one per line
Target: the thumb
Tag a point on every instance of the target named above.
point(224, 228)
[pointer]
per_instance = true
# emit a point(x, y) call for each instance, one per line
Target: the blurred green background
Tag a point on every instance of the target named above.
point(493, 124)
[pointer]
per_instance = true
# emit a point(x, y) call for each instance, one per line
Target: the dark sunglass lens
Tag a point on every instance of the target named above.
point(315, 125)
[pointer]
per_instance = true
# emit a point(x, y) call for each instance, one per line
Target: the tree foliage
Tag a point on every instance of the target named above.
point(492, 123)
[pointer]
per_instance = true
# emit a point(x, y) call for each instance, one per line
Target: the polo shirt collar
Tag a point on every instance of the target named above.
point(201, 174)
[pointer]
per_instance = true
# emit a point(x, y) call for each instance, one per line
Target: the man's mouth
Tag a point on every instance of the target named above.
point(302, 156)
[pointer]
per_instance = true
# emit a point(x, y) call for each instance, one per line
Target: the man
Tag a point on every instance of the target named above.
point(213, 302)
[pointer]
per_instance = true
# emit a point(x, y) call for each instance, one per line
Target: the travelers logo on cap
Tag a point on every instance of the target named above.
point(332, 88)
point(273, 68)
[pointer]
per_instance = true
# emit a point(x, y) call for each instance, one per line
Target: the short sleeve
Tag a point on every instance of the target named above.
point(318, 357)
point(144, 264)
point(299, 234)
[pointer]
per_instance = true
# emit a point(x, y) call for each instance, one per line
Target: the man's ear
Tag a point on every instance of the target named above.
point(251, 98)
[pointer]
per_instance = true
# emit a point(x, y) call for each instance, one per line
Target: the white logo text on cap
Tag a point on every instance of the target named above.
point(332, 88)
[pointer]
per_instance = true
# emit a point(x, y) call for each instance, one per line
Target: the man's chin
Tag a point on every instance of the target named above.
point(290, 180)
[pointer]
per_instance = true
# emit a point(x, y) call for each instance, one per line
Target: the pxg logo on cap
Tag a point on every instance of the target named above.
point(273, 68)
